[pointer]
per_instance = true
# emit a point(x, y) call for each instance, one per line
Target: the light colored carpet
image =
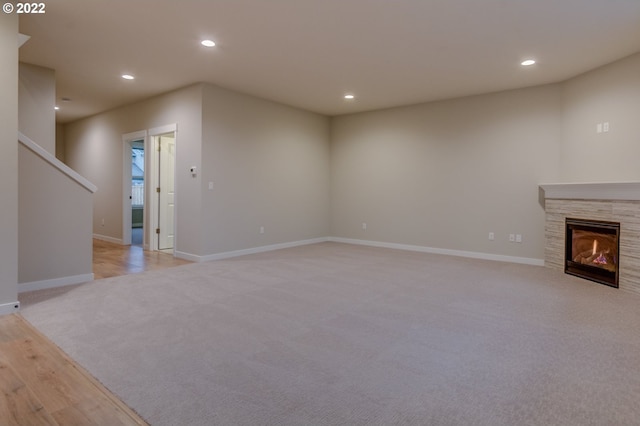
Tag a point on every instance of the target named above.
point(335, 334)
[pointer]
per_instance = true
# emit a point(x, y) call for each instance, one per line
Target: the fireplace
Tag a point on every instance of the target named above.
point(591, 250)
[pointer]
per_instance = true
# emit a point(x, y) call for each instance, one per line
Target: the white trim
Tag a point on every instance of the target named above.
point(9, 308)
point(151, 195)
point(22, 39)
point(422, 249)
point(188, 256)
point(629, 191)
point(56, 282)
point(254, 250)
point(161, 130)
point(147, 221)
point(49, 158)
point(108, 239)
point(134, 136)
point(449, 252)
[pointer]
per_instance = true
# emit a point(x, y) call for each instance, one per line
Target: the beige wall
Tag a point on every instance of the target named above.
point(37, 97)
point(60, 142)
point(445, 174)
point(94, 148)
point(442, 174)
point(607, 94)
point(54, 222)
point(54, 211)
point(269, 165)
point(8, 161)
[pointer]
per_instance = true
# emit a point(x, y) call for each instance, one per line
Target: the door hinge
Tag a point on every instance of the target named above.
point(158, 189)
point(157, 230)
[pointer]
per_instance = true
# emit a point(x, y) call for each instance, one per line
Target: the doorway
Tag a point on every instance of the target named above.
point(134, 191)
point(137, 193)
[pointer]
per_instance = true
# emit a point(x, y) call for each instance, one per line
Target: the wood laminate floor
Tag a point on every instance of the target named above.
point(40, 384)
point(112, 260)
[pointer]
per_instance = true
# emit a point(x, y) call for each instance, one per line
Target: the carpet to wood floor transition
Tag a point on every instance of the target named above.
point(336, 334)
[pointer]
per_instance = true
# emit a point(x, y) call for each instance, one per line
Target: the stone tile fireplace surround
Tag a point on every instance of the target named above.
point(611, 202)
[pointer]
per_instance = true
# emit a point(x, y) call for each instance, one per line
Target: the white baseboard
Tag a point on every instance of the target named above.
point(422, 249)
point(187, 256)
point(459, 253)
point(56, 282)
point(108, 239)
point(9, 308)
point(254, 250)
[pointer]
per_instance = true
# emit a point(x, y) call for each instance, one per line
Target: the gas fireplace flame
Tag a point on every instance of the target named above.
point(600, 260)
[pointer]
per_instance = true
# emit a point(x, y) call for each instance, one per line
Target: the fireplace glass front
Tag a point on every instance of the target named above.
point(592, 250)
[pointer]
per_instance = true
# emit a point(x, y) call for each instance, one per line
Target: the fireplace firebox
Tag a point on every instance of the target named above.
point(591, 249)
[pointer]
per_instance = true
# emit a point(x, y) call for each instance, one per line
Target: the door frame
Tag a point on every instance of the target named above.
point(127, 145)
point(151, 213)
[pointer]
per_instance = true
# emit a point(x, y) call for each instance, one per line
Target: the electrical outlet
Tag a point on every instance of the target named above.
point(492, 236)
point(262, 229)
point(364, 226)
point(605, 126)
point(599, 128)
point(512, 237)
point(518, 238)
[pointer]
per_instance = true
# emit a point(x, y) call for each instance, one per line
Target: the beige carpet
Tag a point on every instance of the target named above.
point(335, 334)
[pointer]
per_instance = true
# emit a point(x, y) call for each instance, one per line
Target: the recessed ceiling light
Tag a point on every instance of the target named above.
point(56, 108)
point(349, 96)
point(128, 76)
point(208, 43)
point(527, 62)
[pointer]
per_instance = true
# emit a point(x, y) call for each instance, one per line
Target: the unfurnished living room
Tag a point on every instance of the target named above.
point(353, 212)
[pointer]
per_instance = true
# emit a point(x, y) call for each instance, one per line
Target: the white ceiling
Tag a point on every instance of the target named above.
point(309, 53)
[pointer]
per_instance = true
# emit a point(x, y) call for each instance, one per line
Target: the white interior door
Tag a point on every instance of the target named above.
point(166, 194)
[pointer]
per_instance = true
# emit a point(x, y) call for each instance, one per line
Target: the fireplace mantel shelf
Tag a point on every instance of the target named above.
point(629, 191)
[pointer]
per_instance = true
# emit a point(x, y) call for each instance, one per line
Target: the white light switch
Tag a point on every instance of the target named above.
point(210, 186)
